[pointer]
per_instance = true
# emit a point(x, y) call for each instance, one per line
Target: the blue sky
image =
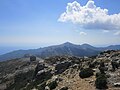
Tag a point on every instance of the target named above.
point(34, 23)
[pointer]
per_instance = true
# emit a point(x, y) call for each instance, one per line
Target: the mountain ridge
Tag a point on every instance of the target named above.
point(66, 48)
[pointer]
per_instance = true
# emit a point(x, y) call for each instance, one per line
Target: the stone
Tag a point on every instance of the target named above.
point(39, 67)
point(44, 75)
point(47, 88)
point(117, 84)
point(61, 67)
point(64, 88)
point(32, 58)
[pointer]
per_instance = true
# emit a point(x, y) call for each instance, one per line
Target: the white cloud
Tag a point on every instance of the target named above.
point(83, 33)
point(90, 16)
point(117, 33)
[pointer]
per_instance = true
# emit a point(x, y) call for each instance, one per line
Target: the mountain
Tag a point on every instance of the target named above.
point(115, 47)
point(62, 49)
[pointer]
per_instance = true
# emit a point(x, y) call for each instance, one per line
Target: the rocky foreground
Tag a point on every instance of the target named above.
point(62, 73)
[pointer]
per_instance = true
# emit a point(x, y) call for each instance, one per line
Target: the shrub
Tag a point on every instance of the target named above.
point(85, 73)
point(101, 82)
point(41, 86)
point(115, 65)
point(98, 74)
point(92, 65)
point(102, 70)
point(102, 64)
point(52, 85)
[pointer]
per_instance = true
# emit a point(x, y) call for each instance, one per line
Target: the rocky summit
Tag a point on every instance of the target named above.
point(62, 72)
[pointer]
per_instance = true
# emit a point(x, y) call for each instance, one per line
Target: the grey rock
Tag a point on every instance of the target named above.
point(64, 88)
point(61, 67)
point(44, 75)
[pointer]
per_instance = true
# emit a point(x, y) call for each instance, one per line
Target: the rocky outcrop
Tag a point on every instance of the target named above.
point(39, 67)
point(61, 67)
point(44, 74)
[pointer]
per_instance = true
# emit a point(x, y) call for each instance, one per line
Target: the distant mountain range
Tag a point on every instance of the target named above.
point(62, 49)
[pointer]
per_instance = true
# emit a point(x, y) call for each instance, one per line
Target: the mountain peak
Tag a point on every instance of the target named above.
point(67, 43)
point(85, 44)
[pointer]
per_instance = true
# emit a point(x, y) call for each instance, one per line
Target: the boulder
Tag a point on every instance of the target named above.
point(47, 88)
point(32, 58)
point(61, 67)
point(117, 84)
point(39, 67)
point(43, 75)
point(75, 66)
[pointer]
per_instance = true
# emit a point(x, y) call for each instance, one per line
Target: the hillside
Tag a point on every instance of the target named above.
point(62, 73)
point(62, 49)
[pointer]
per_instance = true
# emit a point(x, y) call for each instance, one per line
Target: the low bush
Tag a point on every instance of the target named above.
point(85, 73)
point(101, 82)
point(99, 74)
point(52, 85)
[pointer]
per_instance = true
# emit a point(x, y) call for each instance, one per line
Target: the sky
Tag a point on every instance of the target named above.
point(38, 23)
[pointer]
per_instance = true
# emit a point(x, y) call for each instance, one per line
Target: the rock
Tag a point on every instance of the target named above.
point(34, 89)
point(61, 67)
point(27, 55)
point(117, 84)
point(57, 78)
point(55, 59)
point(75, 66)
point(32, 58)
point(64, 88)
point(91, 81)
point(39, 67)
point(47, 88)
point(44, 75)
point(75, 60)
point(3, 86)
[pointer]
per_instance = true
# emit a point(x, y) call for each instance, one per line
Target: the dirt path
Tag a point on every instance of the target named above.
point(74, 82)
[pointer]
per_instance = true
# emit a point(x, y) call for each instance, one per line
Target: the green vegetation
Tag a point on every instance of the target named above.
point(92, 65)
point(85, 73)
point(115, 65)
point(101, 82)
point(52, 85)
point(102, 67)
